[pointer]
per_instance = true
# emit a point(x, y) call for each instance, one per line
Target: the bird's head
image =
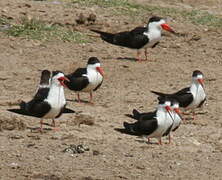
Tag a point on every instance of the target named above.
point(159, 23)
point(198, 77)
point(94, 64)
point(58, 78)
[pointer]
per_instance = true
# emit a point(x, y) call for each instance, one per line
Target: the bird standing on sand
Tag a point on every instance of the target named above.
point(154, 124)
point(176, 118)
point(49, 102)
point(190, 97)
point(87, 79)
point(140, 37)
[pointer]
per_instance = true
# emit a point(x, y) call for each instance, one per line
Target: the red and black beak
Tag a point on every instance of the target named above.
point(168, 109)
point(100, 70)
point(167, 28)
point(62, 79)
point(201, 81)
point(177, 110)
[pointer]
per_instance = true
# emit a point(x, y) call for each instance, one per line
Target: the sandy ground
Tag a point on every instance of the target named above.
point(196, 151)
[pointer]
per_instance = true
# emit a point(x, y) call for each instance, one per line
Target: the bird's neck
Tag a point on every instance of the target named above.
point(56, 95)
point(195, 88)
point(153, 33)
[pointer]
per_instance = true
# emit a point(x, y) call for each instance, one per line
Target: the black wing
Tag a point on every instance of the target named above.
point(77, 80)
point(41, 94)
point(184, 96)
point(147, 116)
point(145, 127)
point(36, 109)
point(132, 39)
point(141, 116)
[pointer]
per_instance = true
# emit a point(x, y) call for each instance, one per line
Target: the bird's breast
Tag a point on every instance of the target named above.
point(94, 80)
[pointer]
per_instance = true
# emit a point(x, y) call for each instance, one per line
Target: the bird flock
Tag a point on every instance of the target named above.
point(49, 101)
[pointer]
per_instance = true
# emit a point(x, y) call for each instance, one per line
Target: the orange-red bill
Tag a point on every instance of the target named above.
point(100, 70)
point(201, 81)
point(167, 28)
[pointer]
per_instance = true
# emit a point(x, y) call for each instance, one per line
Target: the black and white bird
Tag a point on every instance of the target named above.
point(87, 79)
point(176, 117)
point(154, 124)
point(190, 97)
point(140, 37)
point(176, 114)
point(49, 102)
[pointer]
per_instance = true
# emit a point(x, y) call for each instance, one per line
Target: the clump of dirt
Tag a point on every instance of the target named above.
point(83, 19)
point(84, 118)
point(12, 123)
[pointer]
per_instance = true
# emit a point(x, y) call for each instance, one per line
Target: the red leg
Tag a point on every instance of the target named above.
point(145, 52)
point(148, 140)
point(169, 137)
point(54, 125)
point(160, 142)
point(91, 97)
point(53, 122)
point(41, 123)
point(138, 56)
point(78, 97)
point(194, 115)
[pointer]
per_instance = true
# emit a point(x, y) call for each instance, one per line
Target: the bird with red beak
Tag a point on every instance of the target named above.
point(87, 79)
point(139, 37)
point(190, 97)
point(49, 102)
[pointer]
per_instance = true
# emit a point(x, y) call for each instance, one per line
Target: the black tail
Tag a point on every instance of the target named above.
point(68, 111)
point(136, 115)
point(19, 111)
point(158, 93)
point(23, 105)
point(128, 127)
point(108, 37)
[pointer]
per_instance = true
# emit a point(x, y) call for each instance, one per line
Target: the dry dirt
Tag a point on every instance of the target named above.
point(196, 152)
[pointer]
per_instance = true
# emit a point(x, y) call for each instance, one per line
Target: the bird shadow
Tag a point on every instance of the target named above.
point(126, 58)
point(124, 131)
point(81, 101)
point(37, 129)
point(23, 112)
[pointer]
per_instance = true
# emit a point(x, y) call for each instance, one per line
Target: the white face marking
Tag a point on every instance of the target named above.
point(156, 24)
point(93, 66)
point(199, 76)
point(167, 103)
point(175, 106)
point(55, 78)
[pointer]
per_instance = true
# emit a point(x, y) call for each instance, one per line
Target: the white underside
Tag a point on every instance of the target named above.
point(177, 120)
point(198, 95)
point(95, 79)
point(164, 122)
point(154, 36)
point(56, 99)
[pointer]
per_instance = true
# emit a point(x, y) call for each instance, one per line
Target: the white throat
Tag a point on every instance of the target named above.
point(94, 77)
point(154, 35)
point(56, 99)
point(198, 93)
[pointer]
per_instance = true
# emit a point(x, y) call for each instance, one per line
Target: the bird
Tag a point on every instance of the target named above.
point(153, 124)
point(190, 97)
point(139, 37)
point(176, 118)
point(49, 102)
point(87, 79)
point(176, 114)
